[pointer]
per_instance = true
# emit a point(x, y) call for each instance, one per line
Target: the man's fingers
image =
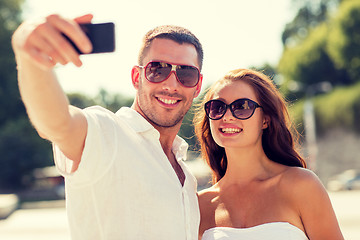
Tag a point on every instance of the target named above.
point(45, 42)
point(73, 31)
point(58, 43)
point(84, 19)
point(41, 59)
point(41, 43)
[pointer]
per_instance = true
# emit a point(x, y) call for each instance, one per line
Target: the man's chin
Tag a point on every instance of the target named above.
point(165, 122)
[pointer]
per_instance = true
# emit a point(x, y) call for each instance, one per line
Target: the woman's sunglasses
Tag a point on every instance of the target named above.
point(157, 72)
point(242, 108)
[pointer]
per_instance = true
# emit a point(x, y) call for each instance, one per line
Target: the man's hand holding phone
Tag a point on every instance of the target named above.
point(101, 35)
point(60, 40)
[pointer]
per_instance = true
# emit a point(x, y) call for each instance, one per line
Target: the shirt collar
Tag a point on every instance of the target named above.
point(140, 125)
point(180, 147)
point(134, 119)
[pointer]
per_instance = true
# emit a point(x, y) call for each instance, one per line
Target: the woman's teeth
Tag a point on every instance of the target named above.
point(230, 130)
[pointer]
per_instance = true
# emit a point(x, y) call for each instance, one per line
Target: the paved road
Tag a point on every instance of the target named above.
point(35, 224)
point(346, 206)
point(51, 223)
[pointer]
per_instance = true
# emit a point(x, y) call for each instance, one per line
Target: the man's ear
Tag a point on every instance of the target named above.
point(135, 76)
point(198, 86)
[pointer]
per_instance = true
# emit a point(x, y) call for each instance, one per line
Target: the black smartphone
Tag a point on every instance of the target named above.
point(101, 35)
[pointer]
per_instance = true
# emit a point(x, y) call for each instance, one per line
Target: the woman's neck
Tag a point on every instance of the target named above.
point(246, 165)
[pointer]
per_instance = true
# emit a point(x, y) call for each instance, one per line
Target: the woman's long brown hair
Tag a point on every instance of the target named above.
point(277, 138)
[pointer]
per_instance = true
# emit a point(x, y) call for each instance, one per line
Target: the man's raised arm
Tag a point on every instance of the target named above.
point(38, 48)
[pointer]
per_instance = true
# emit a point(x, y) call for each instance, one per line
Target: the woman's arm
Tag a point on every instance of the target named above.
point(314, 206)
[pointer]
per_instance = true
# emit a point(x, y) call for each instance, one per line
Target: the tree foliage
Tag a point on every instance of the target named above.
point(325, 54)
point(309, 63)
point(344, 39)
point(10, 103)
point(338, 109)
point(112, 101)
point(20, 147)
point(310, 14)
point(22, 150)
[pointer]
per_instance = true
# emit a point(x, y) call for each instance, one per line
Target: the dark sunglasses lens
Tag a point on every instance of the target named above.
point(215, 109)
point(157, 71)
point(188, 75)
point(243, 108)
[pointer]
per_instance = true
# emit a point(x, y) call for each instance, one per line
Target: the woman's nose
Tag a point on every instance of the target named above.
point(228, 116)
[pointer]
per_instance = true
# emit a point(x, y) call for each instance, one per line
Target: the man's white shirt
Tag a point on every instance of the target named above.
point(125, 186)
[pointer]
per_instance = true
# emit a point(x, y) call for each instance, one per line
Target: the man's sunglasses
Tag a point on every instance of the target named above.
point(242, 108)
point(157, 72)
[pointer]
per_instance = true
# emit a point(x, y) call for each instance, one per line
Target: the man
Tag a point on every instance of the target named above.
point(124, 174)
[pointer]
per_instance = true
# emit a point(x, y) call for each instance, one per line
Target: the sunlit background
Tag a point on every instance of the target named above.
point(234, 34)
point(311, 48)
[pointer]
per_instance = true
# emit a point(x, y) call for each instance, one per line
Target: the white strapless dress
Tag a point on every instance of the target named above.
point(267, 231)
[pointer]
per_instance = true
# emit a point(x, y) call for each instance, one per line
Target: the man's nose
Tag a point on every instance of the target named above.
point(171, 83)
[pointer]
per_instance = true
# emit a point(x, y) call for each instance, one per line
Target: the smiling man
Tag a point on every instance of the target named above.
point(124, 171)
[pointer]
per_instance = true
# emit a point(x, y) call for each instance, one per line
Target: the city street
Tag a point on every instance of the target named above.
point(51, 223)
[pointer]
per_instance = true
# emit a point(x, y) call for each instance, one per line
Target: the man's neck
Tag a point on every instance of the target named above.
point(167, 138)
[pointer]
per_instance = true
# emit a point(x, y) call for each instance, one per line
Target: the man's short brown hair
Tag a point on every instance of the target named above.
point(175, 33)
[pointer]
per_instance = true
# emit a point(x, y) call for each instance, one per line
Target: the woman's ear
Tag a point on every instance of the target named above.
point(266, 122)
point(135, 76)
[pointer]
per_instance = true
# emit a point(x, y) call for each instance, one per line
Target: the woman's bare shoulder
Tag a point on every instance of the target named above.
point(299, 184)
point(208, 193)
point(299, 177)
point(310, 199)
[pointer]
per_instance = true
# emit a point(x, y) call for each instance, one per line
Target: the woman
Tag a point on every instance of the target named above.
point(261, 187)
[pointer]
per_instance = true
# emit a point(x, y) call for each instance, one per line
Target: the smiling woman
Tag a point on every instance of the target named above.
point(261, 186)
point(111, 71)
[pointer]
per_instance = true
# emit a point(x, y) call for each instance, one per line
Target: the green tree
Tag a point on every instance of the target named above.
point(10, 103)
point(338, 109)
point(310, 14)
point(80, 100)
point(269, 71)
point(187, 128)
point(344, 39)
point(113, 102)
point(308, 63)
point(21, 148)
point(328, 53)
